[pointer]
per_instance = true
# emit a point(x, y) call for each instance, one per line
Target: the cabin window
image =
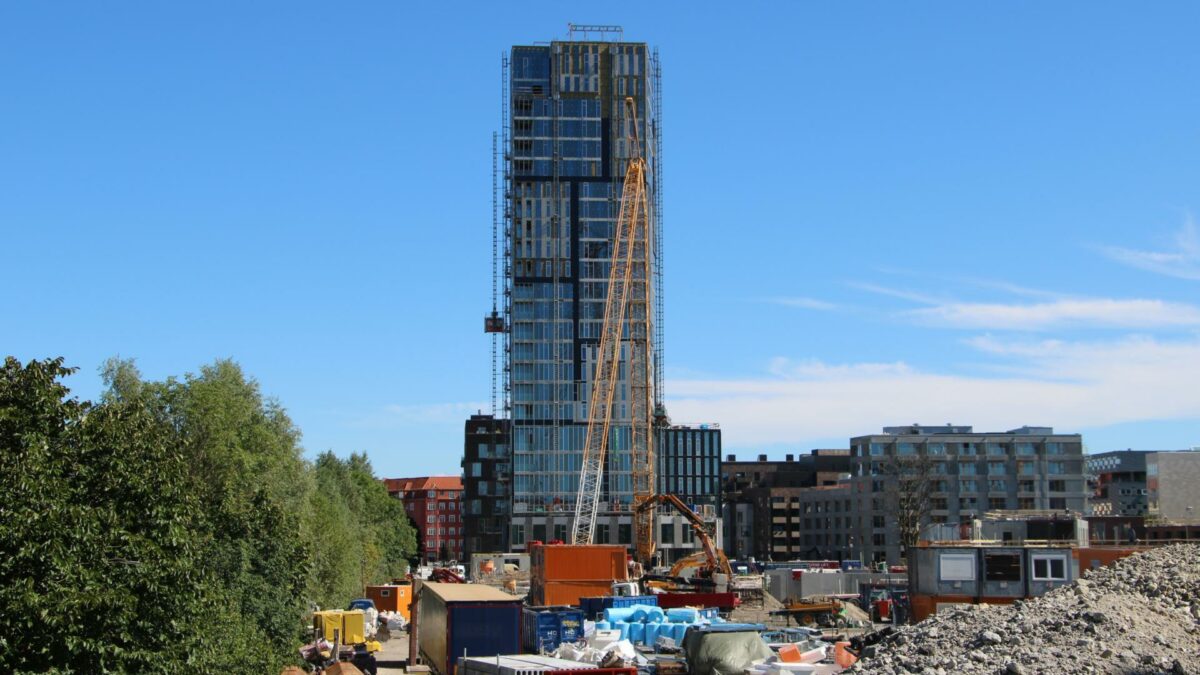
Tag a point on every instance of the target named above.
point(1049, 568)
point(1002, 567)
point(956, 567)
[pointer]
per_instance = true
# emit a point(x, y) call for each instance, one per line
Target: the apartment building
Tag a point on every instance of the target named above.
point(434, 503)
point(966, 475)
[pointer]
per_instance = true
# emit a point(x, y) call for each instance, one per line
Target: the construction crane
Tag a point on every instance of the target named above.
point(624, 338)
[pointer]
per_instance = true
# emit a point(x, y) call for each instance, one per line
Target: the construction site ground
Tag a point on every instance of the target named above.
point(764, 612)
point(394, 655)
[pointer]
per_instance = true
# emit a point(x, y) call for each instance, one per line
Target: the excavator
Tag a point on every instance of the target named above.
point(710, 564)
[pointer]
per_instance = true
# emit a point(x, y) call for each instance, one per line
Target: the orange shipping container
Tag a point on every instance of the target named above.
point(580, 563)
point(392, 598)
point(567, 592)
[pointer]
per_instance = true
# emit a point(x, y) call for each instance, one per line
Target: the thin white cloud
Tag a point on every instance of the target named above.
point(405, 414)
point(1068, 385)
point(1181, 260)
point(814, 369)
point(911, 296)
point(804, 303)
point(1008, 287)
point(1139, 314)
point(1055, 311)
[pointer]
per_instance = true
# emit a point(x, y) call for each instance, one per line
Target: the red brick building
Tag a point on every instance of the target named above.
point(435, 505)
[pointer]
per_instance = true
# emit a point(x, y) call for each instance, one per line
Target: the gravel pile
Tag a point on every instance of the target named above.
point(1138, 615)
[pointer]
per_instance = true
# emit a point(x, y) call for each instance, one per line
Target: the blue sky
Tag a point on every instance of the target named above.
point(875, 213)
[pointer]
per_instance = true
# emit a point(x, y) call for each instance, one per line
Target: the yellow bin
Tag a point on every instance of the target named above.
point(351, 623)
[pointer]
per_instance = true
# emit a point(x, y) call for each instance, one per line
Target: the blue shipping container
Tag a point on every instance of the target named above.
point(456, 619)
point(545, 628)
point(594, 607)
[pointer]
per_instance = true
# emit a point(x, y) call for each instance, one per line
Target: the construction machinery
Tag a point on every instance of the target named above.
point(710, 563)
point(812, 611)
point(625, 336)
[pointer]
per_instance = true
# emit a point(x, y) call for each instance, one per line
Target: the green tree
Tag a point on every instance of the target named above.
point(246, 468)
point(173, 526)
point(100, 570)
point(365, 535)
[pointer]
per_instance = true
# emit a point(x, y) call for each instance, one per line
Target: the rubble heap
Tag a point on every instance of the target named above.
point(1138, 615)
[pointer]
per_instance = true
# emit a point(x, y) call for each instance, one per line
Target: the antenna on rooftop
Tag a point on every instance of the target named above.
point(588, 29)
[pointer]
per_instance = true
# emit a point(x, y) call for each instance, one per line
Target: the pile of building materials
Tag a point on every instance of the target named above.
point(593, 608)
point(531, 663)
point(644, 624)
point(1139, 615)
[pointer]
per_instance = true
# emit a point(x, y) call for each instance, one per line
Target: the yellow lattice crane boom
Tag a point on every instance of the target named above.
point(625, 338)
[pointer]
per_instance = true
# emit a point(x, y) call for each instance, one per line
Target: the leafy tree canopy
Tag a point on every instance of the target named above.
point(173, 526)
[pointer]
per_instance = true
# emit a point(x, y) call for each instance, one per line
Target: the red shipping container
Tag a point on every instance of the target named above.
point(580, 563)
point(566, 592)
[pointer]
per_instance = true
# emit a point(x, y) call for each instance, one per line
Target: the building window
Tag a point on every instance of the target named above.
point(1049, 568)
point(429, 531)
point(624, 533)
point(1058, 486)
point(1058, 503)
point(518, 534)
point(667, 533)
point(995, 468)
point(560, 531)
point(1002, 567)
point(997, 503)
point(432, 494)
point(431, 518)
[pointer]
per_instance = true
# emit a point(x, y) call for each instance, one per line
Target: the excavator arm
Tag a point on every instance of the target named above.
point(714, 558)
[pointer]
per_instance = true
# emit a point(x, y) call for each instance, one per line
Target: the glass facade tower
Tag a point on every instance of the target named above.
point(564, 164)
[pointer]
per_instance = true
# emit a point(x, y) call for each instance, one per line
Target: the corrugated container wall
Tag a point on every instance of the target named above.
point(566, 592)
point(580, 563)
point(465, 619)
point(546, 628)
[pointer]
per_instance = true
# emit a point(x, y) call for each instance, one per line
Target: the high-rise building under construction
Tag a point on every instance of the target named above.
point(561, 159)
